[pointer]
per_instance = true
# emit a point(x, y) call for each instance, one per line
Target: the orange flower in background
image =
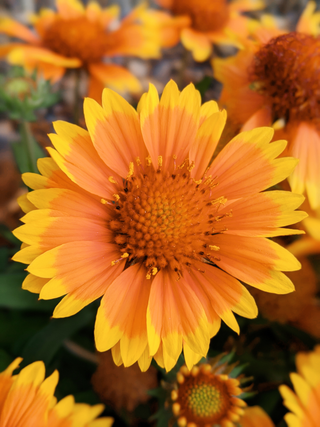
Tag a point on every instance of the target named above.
point(275, 79)
point(130, 210)
point(255, 416)
point(303, 404)
point(200, 23)
point(78, 37)
point(27, 400)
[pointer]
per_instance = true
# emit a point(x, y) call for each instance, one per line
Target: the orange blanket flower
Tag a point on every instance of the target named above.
point(200, 23)
point(78, 37)
point(27, 400)
point(275, 79)
point(131, 210)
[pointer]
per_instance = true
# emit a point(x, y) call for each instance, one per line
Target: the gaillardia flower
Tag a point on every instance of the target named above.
point(27, 400)
point(275, 80)
point(78, 37)
point(131, 210)
point(208, 395)
point(200, 23)
point(304, 404)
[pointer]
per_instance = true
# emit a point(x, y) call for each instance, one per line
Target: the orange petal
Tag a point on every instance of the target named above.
point(238, 256)
point(225, 294)
point(67, 258)
point(29, 398)
point(205, 143)
point(175, 313)
point(34, 284)
point(255, 416)
point(169, 127)
point(135, 38)
point(50, 229)
point(305, 145)
point(115, 77)
point(116, 144)
point(32, 55)
point(197, 42)
point(262, 117)
point(257, 171)
point(70, 9)
point(309, 20)
point(169, 26)
point(262, 214)
point(116, 319)
point(15, 29)
point(86, 285)
point(79, 160)
point(69, 202)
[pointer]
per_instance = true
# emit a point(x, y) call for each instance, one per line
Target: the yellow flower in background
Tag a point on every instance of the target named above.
point(200, 23)
point(27, 400)
point(132, 211)
point(275, 80)
point(255, 416)
point(304, 403)
point(79, 37)
point(309, 243)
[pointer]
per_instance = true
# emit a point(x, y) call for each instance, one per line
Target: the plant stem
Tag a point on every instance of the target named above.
point(29, 142)
point(76, 96)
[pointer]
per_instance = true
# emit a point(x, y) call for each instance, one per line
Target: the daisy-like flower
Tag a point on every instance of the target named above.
point(206, 396)
point(200, 23)
point(131, 211)
point(304, 404)
point(275, 80)
point(255, 416)
point(78, 37)
point(27, 400)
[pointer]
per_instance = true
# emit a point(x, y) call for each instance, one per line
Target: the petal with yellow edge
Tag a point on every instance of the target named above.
point(116, 321)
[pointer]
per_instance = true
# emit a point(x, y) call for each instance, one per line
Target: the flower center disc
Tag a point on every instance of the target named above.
point(165, 219)
point(206, 15)
point(204, 399)
point(287, 71)
point(77, 38)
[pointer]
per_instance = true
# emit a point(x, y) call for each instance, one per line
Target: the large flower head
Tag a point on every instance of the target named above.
point(275, 80)
point(132, 210)
point(304, 404)
point(78, 37)
point(200, 23)
point(27, 400)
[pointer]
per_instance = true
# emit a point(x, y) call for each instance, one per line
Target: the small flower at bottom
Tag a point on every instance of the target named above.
point(133, 212)
point(206, 396)
point(27, 400)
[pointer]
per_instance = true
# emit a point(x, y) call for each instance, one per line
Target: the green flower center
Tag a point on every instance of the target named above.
point(204, 400)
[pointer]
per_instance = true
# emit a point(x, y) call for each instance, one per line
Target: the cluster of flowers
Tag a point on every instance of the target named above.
point(134, 209)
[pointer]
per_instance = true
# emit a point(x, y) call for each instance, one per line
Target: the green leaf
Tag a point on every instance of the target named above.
point(22, 157)
point(5, 360)
point(7, 234)
point(45, 344)
point(204, 85)
point(13, 297)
